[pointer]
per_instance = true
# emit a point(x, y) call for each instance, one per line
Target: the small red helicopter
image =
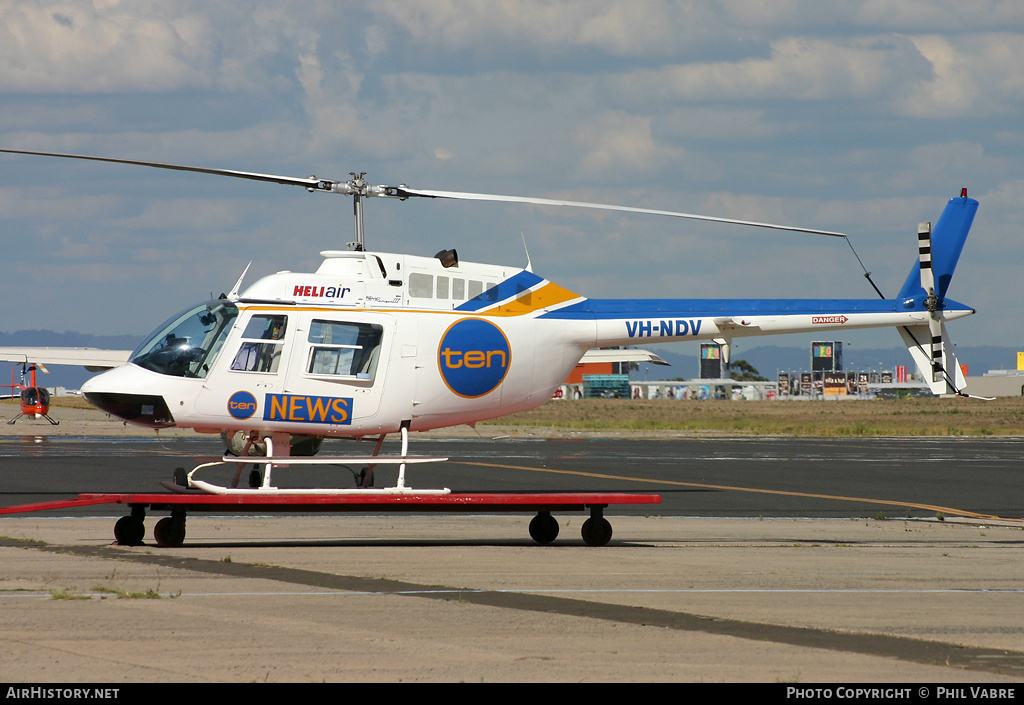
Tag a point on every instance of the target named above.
point(35, 401)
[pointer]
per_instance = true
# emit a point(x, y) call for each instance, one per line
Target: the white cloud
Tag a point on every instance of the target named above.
point(973, 74)
point(798, 68)
point(931, 16)
point(148, 46)
point(551, 28)
point(79, 47)
point(616, 142)
point(857, 116)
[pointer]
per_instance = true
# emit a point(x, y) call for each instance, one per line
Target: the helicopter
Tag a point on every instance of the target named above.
point(35, 400)
point(376, 343)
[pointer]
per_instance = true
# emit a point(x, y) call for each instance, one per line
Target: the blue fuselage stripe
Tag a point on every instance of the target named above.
point(654, 308)
point(510, 287)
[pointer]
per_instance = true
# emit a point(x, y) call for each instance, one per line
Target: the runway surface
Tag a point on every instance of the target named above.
point(845, 594)
point(791, 477)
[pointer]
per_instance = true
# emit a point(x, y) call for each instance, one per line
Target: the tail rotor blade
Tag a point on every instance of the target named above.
point(935, 333)
point(924, 253)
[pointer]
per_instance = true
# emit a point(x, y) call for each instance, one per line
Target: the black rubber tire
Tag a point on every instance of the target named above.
point(169, 532)
point(129, 531)
point(596, 531)
point(544, 528)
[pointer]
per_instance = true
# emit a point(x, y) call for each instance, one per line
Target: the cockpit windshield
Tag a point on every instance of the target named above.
point(187, 344)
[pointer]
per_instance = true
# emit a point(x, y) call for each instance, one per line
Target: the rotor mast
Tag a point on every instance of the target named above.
point(358, 188)
point(357, 210)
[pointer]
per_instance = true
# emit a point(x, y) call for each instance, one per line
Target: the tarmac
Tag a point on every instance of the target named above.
point(471, 598)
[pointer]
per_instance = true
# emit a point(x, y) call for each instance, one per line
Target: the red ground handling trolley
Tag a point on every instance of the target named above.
point(170, 531)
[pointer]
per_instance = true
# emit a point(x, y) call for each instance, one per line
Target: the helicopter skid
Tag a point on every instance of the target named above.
point(262, 491)
point(184, 484)
point(335, 460)
point(35, 416)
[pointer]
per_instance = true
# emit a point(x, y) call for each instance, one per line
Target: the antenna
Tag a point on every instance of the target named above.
point(529, 264)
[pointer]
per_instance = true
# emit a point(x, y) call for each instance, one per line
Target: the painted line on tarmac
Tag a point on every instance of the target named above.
point(537, 591)
point(733, 488)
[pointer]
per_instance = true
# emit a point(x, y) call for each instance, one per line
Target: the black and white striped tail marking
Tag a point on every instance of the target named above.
point(924, 252)
point(937, 369)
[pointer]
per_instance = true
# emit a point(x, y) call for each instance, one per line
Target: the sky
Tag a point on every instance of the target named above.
point(860, 117)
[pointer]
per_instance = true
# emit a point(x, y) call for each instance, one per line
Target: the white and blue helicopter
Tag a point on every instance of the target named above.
point(376, 343)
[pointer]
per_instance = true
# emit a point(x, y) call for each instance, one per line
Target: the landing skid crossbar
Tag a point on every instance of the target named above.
point(274, 491)
point(270, 461)
point(53, 422)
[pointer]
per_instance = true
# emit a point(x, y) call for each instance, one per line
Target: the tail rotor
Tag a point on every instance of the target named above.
point(929, 343)
point(933, 304)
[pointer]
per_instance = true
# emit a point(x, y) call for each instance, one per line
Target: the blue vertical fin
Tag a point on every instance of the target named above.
point(948, 237)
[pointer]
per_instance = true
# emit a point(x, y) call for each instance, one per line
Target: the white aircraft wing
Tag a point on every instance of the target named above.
point(598, 355)
point(92, 359)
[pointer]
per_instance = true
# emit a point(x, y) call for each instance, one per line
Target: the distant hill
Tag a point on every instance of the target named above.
point(62, 375)
point(68, 339)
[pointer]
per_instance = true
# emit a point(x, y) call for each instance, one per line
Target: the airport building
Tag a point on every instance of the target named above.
point(825, 379)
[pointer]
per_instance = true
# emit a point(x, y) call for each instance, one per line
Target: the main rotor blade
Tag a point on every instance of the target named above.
point(312, 183)
point(358, 187)
point(404, 191)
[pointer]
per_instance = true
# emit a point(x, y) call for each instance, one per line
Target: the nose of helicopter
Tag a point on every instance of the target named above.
point(121, 393)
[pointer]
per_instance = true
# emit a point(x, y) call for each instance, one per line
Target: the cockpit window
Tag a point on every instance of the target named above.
point(187, 344)
point(35, 395)
point(262, 344)
point(344, 349)
point(265, 328)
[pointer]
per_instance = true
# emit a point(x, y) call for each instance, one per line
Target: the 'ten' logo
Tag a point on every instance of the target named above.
point(242, 405)
point(473, 357)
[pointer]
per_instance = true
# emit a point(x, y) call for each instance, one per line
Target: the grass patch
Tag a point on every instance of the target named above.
point(112, 589)
point(849, 418)
point(120, 594)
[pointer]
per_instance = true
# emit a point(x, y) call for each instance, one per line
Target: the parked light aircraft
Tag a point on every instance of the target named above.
point(377, 343)
point(35, 400)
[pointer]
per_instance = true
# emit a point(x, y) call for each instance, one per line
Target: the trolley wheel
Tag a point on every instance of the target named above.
point(129, 531)
point(544, 528)
point(169, 532)
point(596, 531)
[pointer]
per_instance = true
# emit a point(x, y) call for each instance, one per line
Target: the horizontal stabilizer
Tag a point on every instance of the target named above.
point(731, 323)
point(614, 355)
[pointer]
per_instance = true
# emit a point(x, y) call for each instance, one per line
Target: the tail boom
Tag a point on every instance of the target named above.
point(628, 322)
point(919, 311)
